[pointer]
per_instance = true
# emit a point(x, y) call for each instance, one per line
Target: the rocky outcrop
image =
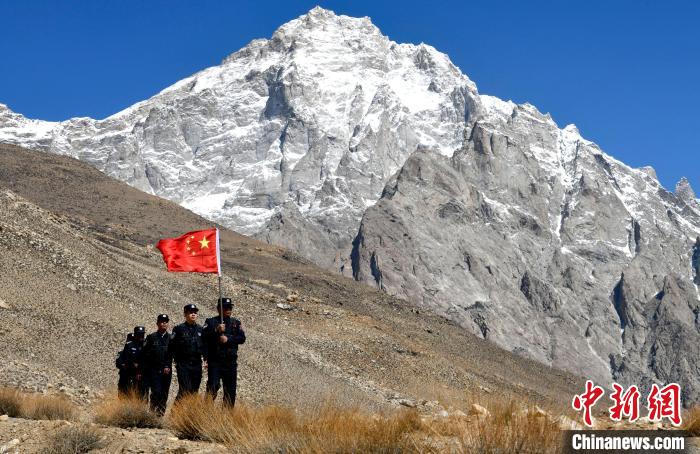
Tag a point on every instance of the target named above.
point(532, 237)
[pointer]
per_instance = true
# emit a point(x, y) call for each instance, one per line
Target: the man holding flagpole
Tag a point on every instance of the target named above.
point(222, 336)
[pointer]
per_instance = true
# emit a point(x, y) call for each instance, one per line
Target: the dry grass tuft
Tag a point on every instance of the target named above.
point(511, 430)
point(10, 402)
point(35, 406)
point(508, 428)
point(74, 440)
point(276, 429)
point(126, 412)
point(38, 406)
point(692, 422)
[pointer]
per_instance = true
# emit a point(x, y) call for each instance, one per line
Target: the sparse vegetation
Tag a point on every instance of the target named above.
point(276, 429)
point(38, 406)
point(497, 427)
point(74, 440)
point(126, 412)
point(510, 429)
point(692, 422)
point(10, 402)
point(35, 406)
point(506, 428)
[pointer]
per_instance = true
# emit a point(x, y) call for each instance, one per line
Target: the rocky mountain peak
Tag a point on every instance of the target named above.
point(685, 191)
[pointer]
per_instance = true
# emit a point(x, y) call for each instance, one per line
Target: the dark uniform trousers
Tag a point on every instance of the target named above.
point(157, 357)
point(223, 358)
point(123, 383)
point(160, 387)
point(189, 378)
point(226, 373)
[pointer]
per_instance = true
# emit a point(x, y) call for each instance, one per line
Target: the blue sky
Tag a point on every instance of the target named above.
point(625, 72)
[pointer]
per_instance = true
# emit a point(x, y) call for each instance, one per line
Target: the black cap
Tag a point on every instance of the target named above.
point(163, 318)
point(191, 308)
point(139, 330)
point(130, 337)
point(225, 303)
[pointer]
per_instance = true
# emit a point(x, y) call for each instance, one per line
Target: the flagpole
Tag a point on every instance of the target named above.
point(218, 265)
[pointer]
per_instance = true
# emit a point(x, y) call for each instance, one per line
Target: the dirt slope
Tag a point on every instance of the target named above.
point(79, 270)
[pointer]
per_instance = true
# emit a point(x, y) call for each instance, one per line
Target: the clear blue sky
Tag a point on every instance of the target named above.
point(625, 72)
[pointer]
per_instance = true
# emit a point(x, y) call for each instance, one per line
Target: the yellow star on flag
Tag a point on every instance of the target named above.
point(204, 242)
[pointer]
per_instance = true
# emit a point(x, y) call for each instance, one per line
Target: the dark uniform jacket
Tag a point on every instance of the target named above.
point(120, 362)
point(156, 352)
point(186, 344)
point(216, 351)
point(132, 357)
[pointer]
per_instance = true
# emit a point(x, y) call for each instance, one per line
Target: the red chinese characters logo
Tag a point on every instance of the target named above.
point(626, 404)
point(587, 400)
point(661, 403)
point(665, 403)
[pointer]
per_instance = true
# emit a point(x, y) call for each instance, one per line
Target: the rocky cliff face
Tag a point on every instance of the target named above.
point(533, 237)
point(382, 161)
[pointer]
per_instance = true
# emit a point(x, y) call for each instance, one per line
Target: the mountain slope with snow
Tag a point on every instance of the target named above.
point(318, 118)
point(382, 161)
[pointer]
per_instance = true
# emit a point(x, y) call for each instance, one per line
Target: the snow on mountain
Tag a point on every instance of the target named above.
point(284, 119)
point(382, 161)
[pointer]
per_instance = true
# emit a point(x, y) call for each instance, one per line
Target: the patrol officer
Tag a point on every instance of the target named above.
point(123, 383)
point(187, 350)
point(222, 336)
point(133, 363)
point(158, 364)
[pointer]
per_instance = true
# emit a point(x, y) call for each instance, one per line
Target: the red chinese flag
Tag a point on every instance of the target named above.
point(195, 252)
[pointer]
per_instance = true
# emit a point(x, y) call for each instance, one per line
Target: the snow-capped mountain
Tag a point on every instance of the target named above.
point(382, 161)
point(310, 124)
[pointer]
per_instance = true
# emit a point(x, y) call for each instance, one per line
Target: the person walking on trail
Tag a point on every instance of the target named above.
point(187, 349)
point(222, 336)
point(158, 364)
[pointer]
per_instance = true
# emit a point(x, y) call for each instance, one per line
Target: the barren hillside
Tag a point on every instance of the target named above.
point(79, 270)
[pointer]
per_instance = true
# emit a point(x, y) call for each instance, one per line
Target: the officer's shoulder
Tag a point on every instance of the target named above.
point(178, 327)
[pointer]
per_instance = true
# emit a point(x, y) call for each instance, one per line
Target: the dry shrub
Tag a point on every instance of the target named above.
point(692, 422)
point(515, 433)
point(38, 406)
point(343, 430)
point(276, 429)
point(74, 440)
point(10, 402)
point(125, 412)
point(508, 428)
